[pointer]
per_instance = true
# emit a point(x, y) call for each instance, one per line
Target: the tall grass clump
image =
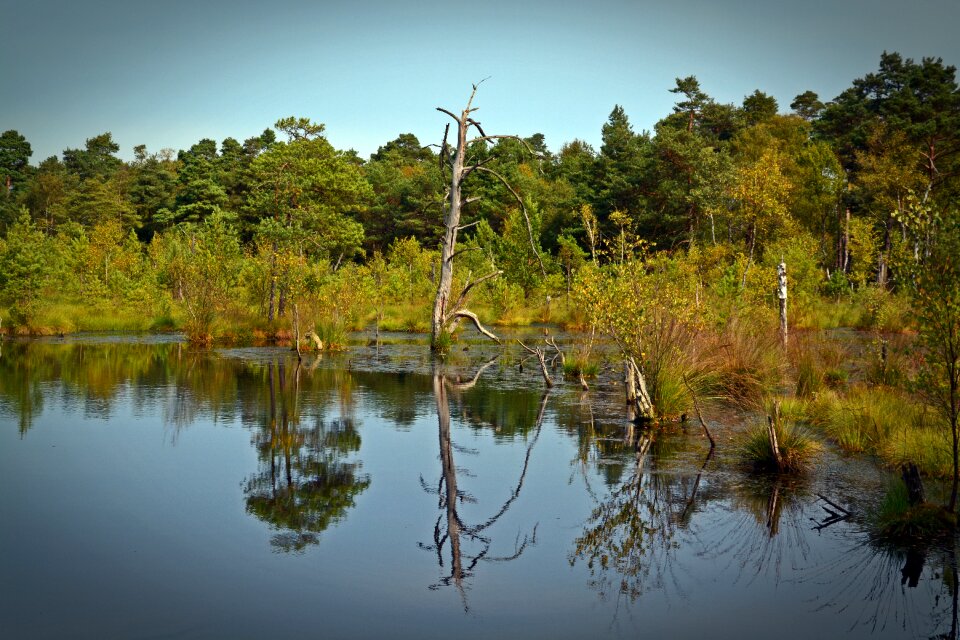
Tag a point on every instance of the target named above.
point(884, 422)
point(797, 446)
point(818, 364)
point(894, 520)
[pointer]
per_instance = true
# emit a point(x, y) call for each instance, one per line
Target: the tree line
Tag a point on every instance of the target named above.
point(860, 183)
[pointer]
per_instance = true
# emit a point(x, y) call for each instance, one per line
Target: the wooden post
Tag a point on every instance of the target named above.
point(782, 296)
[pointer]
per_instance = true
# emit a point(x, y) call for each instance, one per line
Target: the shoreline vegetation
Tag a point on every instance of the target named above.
point(728, 256)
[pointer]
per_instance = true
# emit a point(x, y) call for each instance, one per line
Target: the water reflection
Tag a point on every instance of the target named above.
point(630, 540)
point(468, 544)
point(307, 479)
point(655, 517)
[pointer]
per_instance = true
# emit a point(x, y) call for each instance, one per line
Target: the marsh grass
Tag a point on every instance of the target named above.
point(818, 364)
point(885, 422)
point(333, 335)
point(798, 447)
point(69, 317)
point(823, 313)
point(746, 362)
point(895, 521)
point(889, 363)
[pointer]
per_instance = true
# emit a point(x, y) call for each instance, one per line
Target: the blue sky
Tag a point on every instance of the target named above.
point(168, 73)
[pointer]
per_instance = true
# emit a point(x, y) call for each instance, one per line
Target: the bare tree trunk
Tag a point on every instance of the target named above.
point(774, 442)
point(884, 254)
point(782, 297)
point(630, 385)
point(445, 311)
point(911, 478)
point(846, 243)
point(637, 394)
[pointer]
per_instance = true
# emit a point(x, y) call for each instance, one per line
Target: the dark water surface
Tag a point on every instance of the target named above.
point(151, 491)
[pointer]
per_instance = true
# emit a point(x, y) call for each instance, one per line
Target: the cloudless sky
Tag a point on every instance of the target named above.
point(167, 73)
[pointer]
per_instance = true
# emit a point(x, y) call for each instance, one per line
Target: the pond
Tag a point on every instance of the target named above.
point(148, 490)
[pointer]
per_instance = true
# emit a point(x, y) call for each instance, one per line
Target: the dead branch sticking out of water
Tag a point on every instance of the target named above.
point(696, 407)
point(537, 351)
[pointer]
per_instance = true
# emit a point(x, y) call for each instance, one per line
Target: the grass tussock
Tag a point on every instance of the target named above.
point(797, 447)
point(818, 364)
point(894, 520)
point(884, 422)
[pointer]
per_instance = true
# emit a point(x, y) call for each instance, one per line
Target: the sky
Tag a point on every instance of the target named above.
point(169, 73)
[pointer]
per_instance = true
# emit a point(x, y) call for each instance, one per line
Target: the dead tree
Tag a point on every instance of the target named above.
point(447, 313)
point(782, 298)
point(637, 394)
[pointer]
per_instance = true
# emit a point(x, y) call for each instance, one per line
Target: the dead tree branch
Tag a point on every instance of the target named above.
point(469, 315)
point(523, 209)
point(537, 351)
point(696, 407)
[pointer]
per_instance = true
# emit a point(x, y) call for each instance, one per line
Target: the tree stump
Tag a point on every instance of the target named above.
point(911, 478)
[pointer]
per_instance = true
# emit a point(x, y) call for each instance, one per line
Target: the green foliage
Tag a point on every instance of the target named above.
point(201, 262)
point(936, 296)
point(25, 270)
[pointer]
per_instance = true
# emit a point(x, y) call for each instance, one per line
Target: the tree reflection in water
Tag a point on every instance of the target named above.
point(629, 541)
point(883, 586)
point(306, 481)
point(468, 544)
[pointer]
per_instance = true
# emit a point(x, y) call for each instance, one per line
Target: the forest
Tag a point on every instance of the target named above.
point(666, 243)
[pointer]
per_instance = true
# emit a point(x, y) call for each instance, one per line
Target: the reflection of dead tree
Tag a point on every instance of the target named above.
point(463, 386)
point(687, 510)
point(450, 527)
point(703, 423)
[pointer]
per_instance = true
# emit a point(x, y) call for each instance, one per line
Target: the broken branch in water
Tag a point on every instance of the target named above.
point(696, 407)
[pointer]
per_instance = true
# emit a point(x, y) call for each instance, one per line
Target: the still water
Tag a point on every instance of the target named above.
point(152, 491)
